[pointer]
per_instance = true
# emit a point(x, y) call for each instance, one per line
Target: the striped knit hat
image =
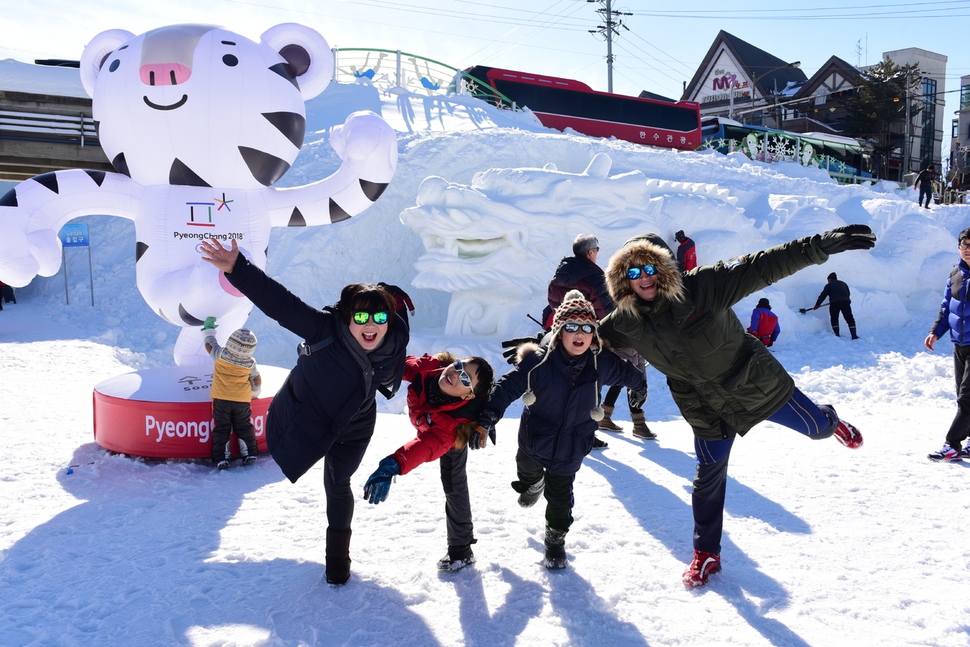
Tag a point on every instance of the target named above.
point(573, 309)
point(239, 348)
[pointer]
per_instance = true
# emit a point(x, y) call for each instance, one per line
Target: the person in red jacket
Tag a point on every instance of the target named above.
point(686, 252)
point(444, 399)
point(764, 323)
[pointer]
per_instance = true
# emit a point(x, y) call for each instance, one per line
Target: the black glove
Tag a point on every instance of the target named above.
point(842, 239)
point(513, 345)
point(636, 397)
point(484, 427)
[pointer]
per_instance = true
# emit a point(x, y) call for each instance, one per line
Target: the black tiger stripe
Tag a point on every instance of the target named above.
point(48, 180)
point(337, 214)
point(140, 249)
point(97, 176)
point(284, 70)
point(121, 164)
point(291, 124)
point(296, 219)
point(182, 175)
point(9, 199)
point(189, 319)
point(266, 168)
point(372, 190)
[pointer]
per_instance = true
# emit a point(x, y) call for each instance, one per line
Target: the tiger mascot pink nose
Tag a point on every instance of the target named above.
point(164, 74)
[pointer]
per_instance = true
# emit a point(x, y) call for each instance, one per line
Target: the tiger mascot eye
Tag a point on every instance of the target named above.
point(199, 123)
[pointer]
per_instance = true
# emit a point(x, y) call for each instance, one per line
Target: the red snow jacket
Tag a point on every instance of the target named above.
point(764, 326)
point(437, 425)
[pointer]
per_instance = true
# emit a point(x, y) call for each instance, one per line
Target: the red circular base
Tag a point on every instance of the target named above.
point(167, 412)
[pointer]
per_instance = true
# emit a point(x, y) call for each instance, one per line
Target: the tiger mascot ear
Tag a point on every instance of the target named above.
point(307, 52)
point(96, 52)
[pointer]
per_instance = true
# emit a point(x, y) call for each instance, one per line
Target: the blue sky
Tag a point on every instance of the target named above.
point(659, 49)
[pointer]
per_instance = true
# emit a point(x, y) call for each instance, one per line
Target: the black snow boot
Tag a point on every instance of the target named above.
point(555, 549)
point(458, 557)
point(338, 556)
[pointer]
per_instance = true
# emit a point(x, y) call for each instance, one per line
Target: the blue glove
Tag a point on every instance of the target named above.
point(379, 483)
point(210, 324)
point(636, 397)
point(485, 427)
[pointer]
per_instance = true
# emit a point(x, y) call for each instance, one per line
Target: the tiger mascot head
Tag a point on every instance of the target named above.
point(202, 106)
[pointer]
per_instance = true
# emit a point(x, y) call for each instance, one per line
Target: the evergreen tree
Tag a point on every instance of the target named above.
point(877, 108)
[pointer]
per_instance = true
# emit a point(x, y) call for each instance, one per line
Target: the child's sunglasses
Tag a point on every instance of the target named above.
point(634, 272)
point(575, 327)
point(462, 375)
point(360, 317)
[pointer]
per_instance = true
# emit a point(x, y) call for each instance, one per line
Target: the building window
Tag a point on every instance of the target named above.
point(965, 97)
point(955, 130)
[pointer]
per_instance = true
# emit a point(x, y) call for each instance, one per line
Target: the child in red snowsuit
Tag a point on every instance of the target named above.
point(444, 399)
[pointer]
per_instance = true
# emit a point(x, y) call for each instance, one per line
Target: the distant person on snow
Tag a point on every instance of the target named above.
point(445, 397)
point(955, 317)
point(764, 323)
point(839, 302)
point(686, 252)
point(924, 182)
point(723, 380)
point(559, 383)
point(327, 407)
point(235, 382)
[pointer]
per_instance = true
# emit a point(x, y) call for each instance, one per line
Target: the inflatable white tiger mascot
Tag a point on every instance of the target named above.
point(199, 123)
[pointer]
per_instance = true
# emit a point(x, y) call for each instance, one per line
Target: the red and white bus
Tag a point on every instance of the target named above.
point(566, 103)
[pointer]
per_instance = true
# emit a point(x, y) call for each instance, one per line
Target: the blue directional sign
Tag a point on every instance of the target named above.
point(74, 235)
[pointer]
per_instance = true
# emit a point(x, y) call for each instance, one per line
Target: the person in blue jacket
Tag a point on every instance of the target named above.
point(955, 316)
point(327, 407)
point(764, 323)
point(559, 382)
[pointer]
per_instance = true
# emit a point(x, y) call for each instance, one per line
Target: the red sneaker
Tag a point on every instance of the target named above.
point(848, 435)
point(703, 566)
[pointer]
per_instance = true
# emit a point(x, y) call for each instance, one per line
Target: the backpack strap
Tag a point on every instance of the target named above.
point(305, 350)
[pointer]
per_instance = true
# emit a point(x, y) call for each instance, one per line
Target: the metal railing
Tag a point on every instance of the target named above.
point(388, 68)
point(37, 126)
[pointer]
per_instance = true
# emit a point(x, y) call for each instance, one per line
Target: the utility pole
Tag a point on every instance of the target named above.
point(610, 27)
point(906, 143)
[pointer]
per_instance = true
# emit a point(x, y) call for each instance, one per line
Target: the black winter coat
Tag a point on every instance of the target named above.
point(330, 394)
point(835, 290)
point(556, 431)
point(576, 273)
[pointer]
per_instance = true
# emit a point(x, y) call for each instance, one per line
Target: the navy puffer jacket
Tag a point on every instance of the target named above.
point(556, 430)
point(955, 309)
point(328, 390)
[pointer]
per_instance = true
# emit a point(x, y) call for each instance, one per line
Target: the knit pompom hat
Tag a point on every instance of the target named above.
point(573, 309)
point(239, 347)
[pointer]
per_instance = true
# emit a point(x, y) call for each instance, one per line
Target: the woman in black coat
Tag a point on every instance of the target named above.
point(327, 408)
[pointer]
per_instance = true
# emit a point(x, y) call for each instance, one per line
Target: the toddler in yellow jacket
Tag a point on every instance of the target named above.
point(235, 382)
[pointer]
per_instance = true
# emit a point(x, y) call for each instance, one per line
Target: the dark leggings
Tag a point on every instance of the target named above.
point(710, 484)
point(558, 490)
point(343, 459)
point(845, 308)
point(458, 507)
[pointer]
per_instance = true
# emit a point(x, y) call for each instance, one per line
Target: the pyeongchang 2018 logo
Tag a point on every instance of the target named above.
point(198, 429)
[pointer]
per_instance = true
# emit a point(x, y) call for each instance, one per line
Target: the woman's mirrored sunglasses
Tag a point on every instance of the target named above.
point(575, 327)
point(360, 317)
point(634, 272)
point(463, 377)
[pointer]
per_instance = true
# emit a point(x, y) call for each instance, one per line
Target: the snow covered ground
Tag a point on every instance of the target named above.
point(822, 545)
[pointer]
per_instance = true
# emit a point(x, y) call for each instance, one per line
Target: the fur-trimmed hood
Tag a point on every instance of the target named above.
point(642, 250)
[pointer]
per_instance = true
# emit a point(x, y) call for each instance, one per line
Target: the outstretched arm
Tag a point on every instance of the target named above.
point(367, 146)
point(33, 212)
